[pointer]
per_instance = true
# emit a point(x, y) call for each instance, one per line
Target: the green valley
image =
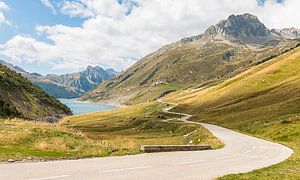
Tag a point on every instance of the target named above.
point(232, 88)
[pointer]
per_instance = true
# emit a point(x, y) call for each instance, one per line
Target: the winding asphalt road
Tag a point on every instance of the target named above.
point(241, 153)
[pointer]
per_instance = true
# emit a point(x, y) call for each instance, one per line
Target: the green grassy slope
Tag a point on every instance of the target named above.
point(181, 65)
point(20, 98)
point(126, 129)
point(263, 101)
point(22, 139)
point(107, 133)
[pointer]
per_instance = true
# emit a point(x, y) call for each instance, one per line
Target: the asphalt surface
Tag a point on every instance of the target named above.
point(241, 153)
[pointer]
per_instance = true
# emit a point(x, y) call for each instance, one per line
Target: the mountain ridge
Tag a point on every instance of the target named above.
point(190, 61)
point(71, 85)
point(290, 33)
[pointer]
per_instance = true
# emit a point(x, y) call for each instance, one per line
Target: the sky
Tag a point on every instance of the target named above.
point(63, 36)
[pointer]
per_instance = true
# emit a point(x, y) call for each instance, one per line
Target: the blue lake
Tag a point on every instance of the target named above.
point(85, 107)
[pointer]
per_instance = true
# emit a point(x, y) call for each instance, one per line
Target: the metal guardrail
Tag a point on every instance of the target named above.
point(168, 148)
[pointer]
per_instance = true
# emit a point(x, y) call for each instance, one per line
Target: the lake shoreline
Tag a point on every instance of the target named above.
point(109, 103)
point(84, 107)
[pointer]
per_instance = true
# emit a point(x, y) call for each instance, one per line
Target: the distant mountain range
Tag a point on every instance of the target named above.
point(72, 85)
point(222, 51)
point(68, 85)
point(21, 98)
point(289, 33)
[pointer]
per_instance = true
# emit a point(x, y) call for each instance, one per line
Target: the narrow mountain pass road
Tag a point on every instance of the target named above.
point(241, 153)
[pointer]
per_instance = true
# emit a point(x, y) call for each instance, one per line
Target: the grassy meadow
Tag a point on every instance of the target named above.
point(127, 129)
point(107, 133)
point(263, 101)
point(22, 139)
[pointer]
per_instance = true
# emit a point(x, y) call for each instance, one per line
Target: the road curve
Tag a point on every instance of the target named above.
point(241, 153)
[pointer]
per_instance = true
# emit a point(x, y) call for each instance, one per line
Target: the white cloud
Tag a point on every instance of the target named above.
point(91, 8)
point(3, 6)
point(76, 9)
point(111, 38)
point(2, 17)
point(49, 5)
point(20, 47)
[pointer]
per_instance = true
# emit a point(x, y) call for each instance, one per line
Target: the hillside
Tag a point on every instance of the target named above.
point(20, 98)
point(263, 101)
point(71, 85)
point(224, 50)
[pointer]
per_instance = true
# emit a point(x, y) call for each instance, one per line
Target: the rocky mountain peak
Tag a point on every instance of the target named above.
point(94, 69)
point(245, 28)
point(89, 67)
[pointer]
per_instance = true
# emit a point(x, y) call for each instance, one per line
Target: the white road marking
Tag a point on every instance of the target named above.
point(125, 169)
point(51, 177)
point(186, 163)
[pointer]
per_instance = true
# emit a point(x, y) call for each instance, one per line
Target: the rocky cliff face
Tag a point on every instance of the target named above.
point(244, 28)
